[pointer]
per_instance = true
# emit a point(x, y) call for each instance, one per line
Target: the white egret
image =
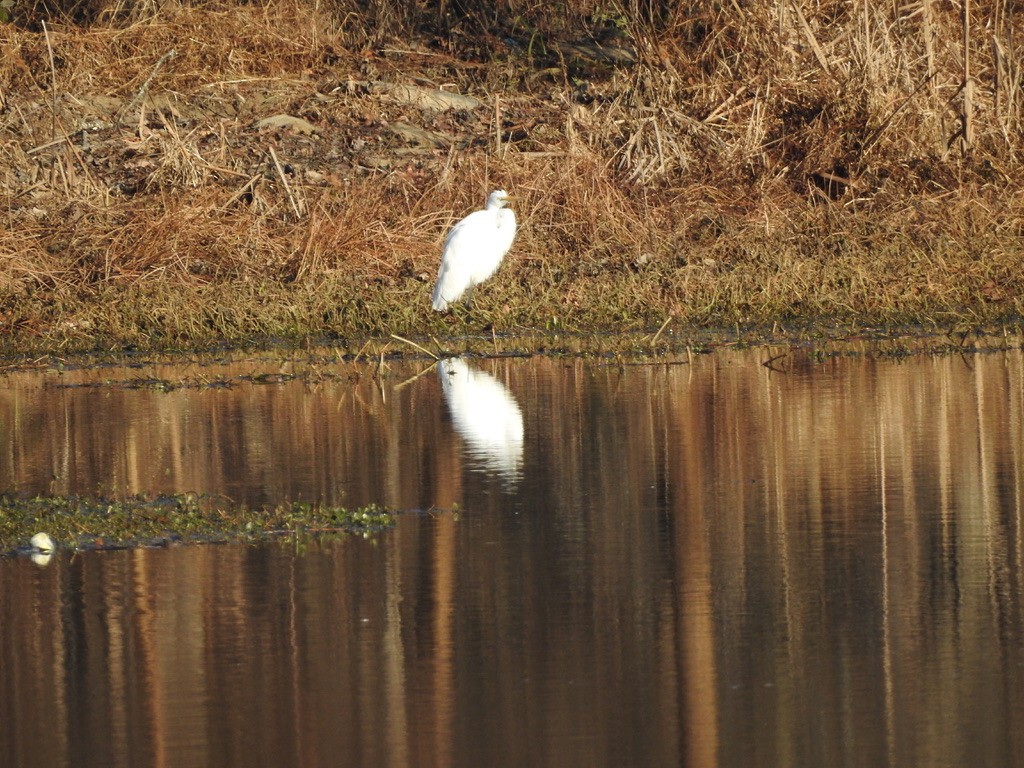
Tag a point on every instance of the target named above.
point(474, 249)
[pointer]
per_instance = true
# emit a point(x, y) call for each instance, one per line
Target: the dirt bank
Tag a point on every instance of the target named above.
point(225, 173)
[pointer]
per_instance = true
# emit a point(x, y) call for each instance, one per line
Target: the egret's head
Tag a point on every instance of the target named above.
point(499, 198)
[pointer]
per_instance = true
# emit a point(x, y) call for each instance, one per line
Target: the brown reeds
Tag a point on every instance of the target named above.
point(184, 174)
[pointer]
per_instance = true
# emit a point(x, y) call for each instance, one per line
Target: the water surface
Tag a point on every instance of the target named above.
point(699, 561)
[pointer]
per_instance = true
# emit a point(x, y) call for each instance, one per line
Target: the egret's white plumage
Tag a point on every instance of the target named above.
point(474, 249)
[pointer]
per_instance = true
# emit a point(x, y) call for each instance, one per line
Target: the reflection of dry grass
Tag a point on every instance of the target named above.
point(869, 514)
point(782, 163)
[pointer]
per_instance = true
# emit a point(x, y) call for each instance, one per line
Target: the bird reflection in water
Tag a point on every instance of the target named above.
point(485, 416)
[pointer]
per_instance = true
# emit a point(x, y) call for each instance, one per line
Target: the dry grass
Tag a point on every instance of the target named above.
point(749, 164)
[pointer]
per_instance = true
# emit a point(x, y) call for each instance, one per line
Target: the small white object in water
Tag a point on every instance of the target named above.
point(41, 558)
point(43, 542)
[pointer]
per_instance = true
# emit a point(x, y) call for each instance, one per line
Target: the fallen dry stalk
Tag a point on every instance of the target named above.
point(140, 96)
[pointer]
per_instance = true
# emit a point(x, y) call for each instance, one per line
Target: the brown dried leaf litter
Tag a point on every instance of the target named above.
point(228, 172)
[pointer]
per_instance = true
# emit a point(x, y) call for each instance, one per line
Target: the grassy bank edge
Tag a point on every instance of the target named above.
point(188, 318)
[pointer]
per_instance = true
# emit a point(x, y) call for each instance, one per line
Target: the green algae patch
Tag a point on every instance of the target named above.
point(78, 522)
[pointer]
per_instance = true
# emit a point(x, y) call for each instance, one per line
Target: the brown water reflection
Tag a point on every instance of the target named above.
point(705, 563)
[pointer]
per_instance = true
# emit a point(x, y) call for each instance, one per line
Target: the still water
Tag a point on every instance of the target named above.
point(702, 561)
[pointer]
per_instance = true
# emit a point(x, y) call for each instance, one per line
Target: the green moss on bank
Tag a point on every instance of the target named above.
point(852, 291)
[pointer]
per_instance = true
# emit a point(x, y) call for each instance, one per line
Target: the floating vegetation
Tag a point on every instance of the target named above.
point(78, 522)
